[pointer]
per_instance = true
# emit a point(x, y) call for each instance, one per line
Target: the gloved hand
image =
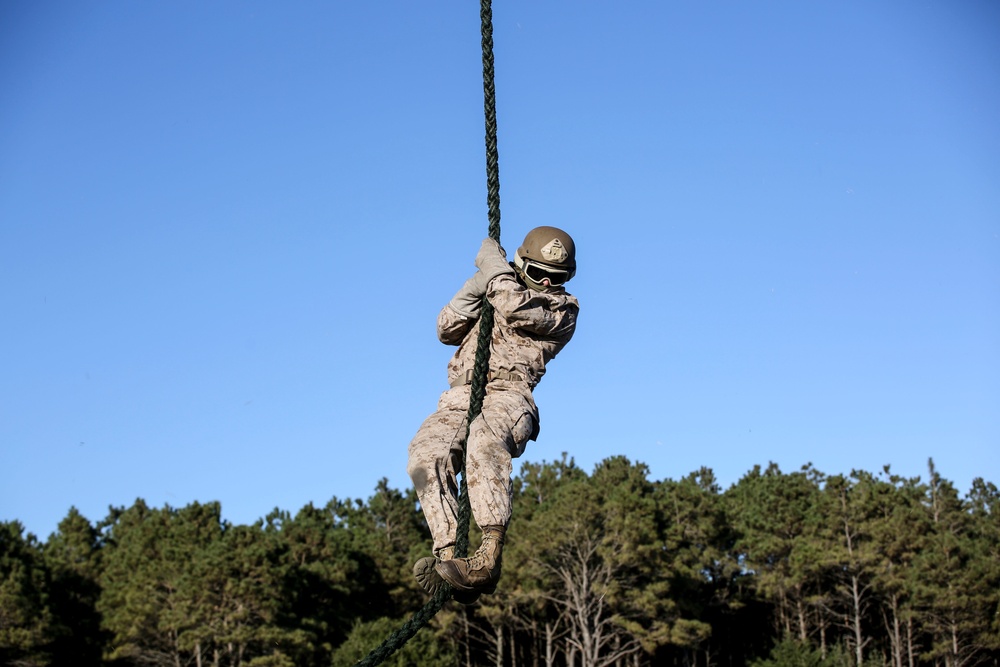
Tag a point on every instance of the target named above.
point(468, 301)
point(492, 260)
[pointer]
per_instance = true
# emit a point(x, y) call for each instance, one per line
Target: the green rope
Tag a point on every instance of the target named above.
point(490, 108)
point(408, 629)
point(481, 368)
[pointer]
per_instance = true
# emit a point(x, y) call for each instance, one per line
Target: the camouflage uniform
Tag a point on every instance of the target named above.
point(530, 328)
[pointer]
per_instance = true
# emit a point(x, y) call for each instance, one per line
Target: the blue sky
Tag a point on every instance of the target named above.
point(226, 230)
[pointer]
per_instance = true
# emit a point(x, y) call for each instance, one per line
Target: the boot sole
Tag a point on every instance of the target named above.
point(426, 574)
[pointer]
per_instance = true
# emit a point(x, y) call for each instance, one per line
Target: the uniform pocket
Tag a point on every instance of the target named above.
point(521, 433)
point(509, 418)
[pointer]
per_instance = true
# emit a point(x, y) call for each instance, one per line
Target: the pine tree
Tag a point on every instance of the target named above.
point(326, 584)
point(777, 517)
point(984, 506)
point(956, 584)
point(150, 597)
point(899, 535)
point(25, 618)
point(698, 569)
point(849, 508)
point(73, 556)
point(590, 552)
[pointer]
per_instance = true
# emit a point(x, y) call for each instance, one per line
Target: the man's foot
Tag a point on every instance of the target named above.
point(431, 581)
point(479, 573)
point(425, 573)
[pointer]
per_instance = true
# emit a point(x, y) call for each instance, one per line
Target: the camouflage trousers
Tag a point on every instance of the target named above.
point(497, 436)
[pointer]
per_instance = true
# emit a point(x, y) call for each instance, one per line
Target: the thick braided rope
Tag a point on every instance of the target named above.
point(408, 629)
point(490, 111)
point(480, 371)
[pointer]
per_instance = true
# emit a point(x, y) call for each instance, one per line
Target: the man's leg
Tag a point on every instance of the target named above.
point(434, 459)
point(497, 436)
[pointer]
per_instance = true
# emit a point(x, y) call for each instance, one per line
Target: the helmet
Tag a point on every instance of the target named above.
point(547, 258)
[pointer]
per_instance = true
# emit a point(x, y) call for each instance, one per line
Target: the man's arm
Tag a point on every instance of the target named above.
point(452, 326)
point(456, 318)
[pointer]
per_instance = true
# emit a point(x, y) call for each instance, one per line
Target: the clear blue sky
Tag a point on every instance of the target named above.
point(226, 230)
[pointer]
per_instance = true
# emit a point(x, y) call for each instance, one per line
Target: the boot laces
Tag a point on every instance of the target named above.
point(485, 556)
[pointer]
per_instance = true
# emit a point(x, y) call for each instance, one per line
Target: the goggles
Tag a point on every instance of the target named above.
point(539, 272)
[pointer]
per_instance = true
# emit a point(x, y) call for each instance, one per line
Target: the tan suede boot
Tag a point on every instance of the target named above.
point(479, 573)
point(431, 581)
point(424, 572)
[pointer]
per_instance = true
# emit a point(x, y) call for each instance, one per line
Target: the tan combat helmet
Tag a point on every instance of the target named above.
point(547, 258)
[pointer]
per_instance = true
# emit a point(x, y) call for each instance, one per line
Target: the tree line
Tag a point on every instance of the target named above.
point(611, 568)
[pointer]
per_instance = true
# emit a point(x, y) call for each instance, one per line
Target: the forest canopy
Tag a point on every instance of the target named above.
point(606, 568)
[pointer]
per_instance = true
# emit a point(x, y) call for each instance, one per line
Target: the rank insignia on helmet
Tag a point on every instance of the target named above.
point(554, 251)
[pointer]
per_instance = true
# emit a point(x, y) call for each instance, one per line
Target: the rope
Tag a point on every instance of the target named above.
point(490, 108)
point(481, 369)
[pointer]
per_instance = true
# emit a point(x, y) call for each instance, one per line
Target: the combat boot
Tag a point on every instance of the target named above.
point(431, 581)
point(479, 573)
point(426, 575)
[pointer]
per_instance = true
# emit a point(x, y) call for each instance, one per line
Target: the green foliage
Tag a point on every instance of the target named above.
point(73, 558)
point(793, 653)
point(425, 648)
point(777, 522)
point(25, 617)
point(599, 569)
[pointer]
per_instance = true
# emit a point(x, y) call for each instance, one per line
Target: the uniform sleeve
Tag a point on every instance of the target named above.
point(452, 326)
point(551, 315)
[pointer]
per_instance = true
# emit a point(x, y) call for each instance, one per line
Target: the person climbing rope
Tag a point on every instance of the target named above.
point(534, 319)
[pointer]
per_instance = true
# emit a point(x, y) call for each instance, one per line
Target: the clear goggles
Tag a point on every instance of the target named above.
point(539, 273)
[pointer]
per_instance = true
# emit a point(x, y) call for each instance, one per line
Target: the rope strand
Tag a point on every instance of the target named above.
point(490, 112)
